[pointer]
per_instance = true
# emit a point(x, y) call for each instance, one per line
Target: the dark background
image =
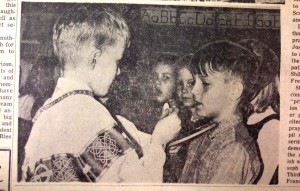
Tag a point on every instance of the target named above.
point(152, 35)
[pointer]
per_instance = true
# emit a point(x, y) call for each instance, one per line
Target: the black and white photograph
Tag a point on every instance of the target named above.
point(148, 93)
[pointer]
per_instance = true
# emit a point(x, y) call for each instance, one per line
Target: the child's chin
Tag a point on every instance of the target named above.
point(201, 114)
point(188, 103)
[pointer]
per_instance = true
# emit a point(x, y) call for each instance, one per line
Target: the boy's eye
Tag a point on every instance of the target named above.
point(165, 78)
point(191, 83)
point(205, 86)
point(179, 83)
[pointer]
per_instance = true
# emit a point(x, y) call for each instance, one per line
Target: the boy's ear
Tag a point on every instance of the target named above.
point(236, 90)
point(95, 55)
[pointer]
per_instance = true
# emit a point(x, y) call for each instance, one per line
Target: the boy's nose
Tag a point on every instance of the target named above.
point(196, 90)
point(186, 89)
point(158, 82)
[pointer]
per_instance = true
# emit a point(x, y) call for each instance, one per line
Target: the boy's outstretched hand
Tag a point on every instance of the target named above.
point(166, 128)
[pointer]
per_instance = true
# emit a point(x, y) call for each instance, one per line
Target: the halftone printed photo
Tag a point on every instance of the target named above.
point(156, 94)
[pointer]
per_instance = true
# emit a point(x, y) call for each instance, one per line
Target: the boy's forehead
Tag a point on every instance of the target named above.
point(163, 66)
point(212, 74)
point(222, 76)
point(215, 75)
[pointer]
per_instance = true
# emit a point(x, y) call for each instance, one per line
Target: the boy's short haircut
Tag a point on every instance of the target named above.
point(83, 26)
point(232, 59)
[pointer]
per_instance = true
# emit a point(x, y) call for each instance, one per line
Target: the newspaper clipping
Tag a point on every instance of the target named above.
point(152, 95)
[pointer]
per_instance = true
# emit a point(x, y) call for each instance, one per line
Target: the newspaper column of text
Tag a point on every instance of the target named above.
point(8, 13)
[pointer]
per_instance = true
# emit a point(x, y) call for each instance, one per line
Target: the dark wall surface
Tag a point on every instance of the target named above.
point(154, 30)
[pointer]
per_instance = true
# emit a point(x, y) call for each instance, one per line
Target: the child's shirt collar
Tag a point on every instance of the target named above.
point(226, 128)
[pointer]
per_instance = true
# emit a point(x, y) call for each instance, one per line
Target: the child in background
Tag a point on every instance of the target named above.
point(164, 70)
point(263, 122)
point(189, 119)
point(185, 83)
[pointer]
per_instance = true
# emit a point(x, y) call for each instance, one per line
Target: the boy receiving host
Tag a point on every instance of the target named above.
point(225, 83)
